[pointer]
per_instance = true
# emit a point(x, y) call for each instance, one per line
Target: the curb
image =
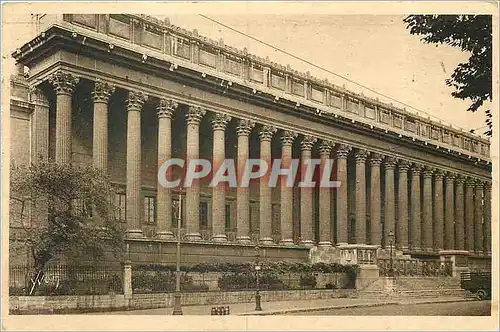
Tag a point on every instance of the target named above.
point(345, 306)
point(337, 306)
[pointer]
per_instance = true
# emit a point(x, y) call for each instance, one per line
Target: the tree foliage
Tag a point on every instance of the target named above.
point(472, 34)
point(74, 205)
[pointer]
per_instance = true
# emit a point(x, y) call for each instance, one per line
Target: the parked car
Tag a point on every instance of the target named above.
point(479, 283)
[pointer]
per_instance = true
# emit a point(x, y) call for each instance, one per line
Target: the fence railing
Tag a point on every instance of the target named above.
point(101, 280)
point(65, 280)
point(414, 267)
point(149, 281)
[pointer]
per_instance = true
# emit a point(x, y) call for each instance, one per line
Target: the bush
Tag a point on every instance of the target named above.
point(242, 281)
point(331, 285)
point(308, 281)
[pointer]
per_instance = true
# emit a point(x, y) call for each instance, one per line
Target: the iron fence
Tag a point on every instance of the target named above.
point(159, 281)
point(65, 280)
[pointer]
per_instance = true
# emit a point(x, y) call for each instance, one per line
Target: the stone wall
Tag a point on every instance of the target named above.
point(68, 304)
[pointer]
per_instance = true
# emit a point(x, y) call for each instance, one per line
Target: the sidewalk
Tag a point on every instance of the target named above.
point(282, 307)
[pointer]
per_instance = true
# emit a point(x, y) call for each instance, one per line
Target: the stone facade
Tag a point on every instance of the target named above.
point(145, 91)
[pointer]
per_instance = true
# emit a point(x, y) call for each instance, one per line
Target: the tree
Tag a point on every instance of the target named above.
point(78, 214)
point(473, 34)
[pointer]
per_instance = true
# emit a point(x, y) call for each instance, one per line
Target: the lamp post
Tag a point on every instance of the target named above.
point(257, 277)
point(177, 295)
point(391, 241)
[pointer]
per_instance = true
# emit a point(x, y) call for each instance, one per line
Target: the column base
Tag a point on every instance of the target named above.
point(266, 240)
point(219, 238)
point(193, 237)
point(307, 243)
point(479, 252)
point(287, 242)
point(165, 235)
point(134, 233)
point(324, 244)
point(244, 239)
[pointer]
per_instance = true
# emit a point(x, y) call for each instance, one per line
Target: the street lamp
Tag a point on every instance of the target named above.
point(391, 241)
point(177, 295)
point(257, 277)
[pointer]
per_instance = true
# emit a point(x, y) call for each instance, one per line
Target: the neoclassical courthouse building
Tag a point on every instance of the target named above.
point(126, 92)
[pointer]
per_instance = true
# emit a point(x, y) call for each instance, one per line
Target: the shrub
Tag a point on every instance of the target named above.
point(331, 285)
point(308, 281)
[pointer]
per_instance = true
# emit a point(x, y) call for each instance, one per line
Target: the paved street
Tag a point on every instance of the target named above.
point(340, 306)
point(470, 308)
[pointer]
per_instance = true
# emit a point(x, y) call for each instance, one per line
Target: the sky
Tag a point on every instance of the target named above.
point(376, 51)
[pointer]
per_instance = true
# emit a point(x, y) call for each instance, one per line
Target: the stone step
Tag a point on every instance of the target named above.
point(456, 292)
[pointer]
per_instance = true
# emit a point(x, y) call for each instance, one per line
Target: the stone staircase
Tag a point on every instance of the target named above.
point(414, 287)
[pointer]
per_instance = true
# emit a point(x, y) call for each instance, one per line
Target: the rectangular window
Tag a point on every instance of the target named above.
point(203, 214)
point(150, 210)
point(228, 216)
point(82, 208)
point(175, 213)
point(120, 205)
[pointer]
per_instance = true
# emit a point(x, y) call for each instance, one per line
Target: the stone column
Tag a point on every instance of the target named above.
point(102, 92)
point(427, 240)
point(134, 105)
point(360, 213)
point(438, 243)
point(40, 147)
point(342, 224)
point(478, 218)
point(416, 229)
point(64, 83)
point(375, 192)
point(459, 214)
point(286, 200)
point(306, 195)
point(219, 123)
point(449, 216)
point(265, 203)
point(402, 239)
point(469, 215)
point(390, 197)
point(325, 198)
point(166, 110)
point(193, 119)
point(487, 218)
point(242, 193)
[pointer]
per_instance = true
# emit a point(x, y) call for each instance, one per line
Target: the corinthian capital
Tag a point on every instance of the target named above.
point(439, 174)
point(135, 100)
point(428, 171)
point(307, 142)
point(102, 91)
point(360, 156)
point(376, 159)
point(417, 168)
point(63, 82)
point(37, 96)
point(403, 165)
point(267, 132)
point(343, 151)
point(326, 147)
point(194, 115)
point(390, 162)
point(220, 121)
point(288, 137)
point(167, 108)
point(244, 127)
